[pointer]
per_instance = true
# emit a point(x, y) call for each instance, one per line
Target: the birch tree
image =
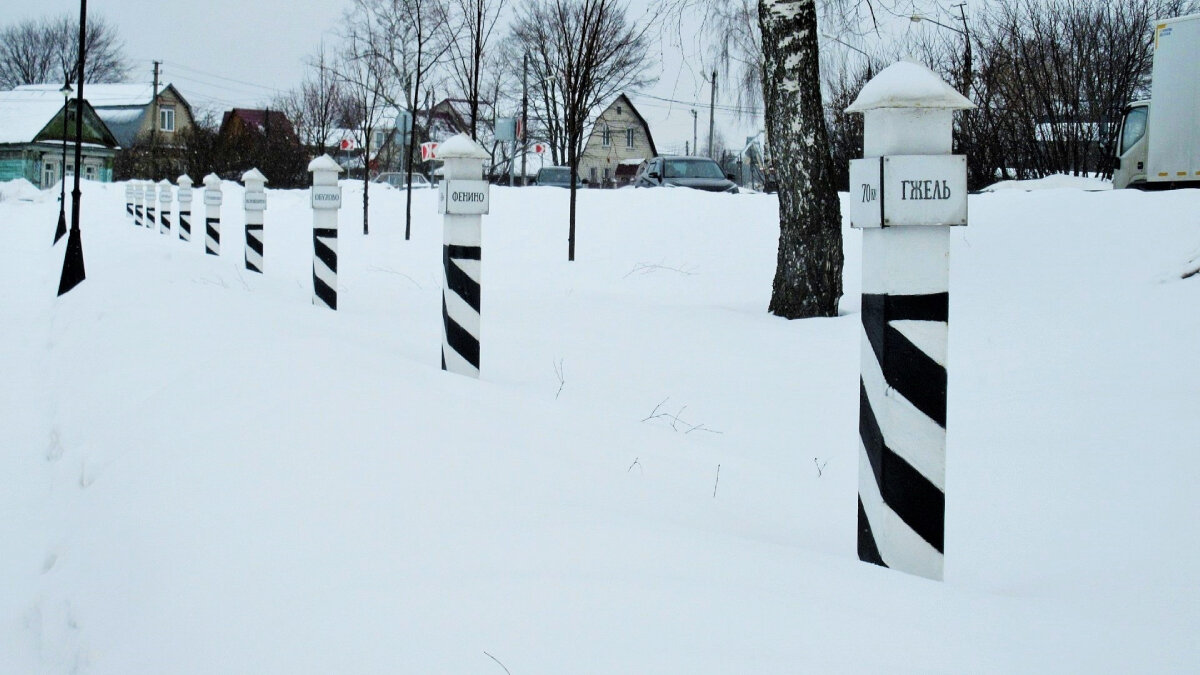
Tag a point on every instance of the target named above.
point(808, 269)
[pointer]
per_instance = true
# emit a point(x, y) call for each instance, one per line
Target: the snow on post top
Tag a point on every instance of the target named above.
point(184, 181)
point(908, 85)
point(254, 175)
point(461, 147)
point(324, 163)
point(212, 180)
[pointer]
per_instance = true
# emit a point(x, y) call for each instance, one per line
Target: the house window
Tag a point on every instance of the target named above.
point(607, 175)
point(618, 110)
point(606, 136)
point(592, 175)
point(166, 118)
point(48, 175)
point(629, 138)
point(89, 172)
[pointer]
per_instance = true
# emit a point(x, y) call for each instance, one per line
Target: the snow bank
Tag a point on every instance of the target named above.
point(19, 189)
point(1054, 182)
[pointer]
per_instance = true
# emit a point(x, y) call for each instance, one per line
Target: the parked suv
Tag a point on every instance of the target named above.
point(700, 173)
point(396, 180)
point(557, 176)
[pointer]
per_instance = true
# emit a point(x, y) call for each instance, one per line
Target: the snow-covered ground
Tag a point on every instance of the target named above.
point(203, 473)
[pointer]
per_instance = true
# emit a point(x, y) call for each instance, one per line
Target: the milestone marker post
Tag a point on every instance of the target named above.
point(906, 193)
point(139, 189)
point(129, 198)
point(164, 212)
point(151, 197)
point(326, 200)
point(184, 196)
point(212, 214)
point(463, 199)
point(254, 202)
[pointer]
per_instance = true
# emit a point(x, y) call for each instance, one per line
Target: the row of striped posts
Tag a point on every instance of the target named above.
point(142, 196)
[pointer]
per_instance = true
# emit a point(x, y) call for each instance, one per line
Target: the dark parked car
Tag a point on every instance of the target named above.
point(700, 173)
point(557, 176)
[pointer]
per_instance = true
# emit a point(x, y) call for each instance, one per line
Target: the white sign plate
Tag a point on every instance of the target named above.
point(184, 194)
point(255, 201)
point(326, 197)
point(464, 197)
point(212, 197)
point(908, 190)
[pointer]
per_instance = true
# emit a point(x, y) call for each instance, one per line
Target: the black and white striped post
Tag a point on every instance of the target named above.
point(254, 202)
point(212, 214)
point(139, 189)
point(326, 200)
point(129, 198)
point(164, 206)
point(463, 198)
point(184, 196)
point(151, 192)
point(905, 194)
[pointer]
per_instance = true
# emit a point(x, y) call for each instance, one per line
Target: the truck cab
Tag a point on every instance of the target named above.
point(1129, 170)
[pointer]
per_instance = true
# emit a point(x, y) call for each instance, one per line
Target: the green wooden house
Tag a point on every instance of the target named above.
point(32, 128)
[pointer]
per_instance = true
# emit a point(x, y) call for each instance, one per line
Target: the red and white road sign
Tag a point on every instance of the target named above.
point(346, 144)
point(428, 151)
point(540, 148)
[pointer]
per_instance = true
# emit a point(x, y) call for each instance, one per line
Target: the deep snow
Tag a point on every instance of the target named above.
point(202, 472)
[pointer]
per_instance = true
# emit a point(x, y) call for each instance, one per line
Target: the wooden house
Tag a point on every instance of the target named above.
point(33, 125)
point(620, 141)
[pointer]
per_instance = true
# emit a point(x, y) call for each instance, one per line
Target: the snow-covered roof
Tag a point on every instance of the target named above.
point(908, 85)
point(22, 116)
point(104, 95)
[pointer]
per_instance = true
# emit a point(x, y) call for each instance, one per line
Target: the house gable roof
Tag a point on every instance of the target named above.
point(32, 116)
point(123, 107)
point(257, 121)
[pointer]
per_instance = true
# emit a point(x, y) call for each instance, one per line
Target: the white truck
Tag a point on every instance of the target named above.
point(1159, 144)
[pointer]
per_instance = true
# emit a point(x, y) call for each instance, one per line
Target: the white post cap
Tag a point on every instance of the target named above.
point(908, 85)
point(908, 110)
point(461, 147)
point(184, 181)
point(324, 170)
point(164, 184)
point(254, 180)
point(212, 181)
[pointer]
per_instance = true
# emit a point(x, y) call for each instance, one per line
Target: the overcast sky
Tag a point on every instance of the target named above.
point(227, 53)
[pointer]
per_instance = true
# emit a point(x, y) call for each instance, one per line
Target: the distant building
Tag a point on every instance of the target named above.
point(619, 143)
point(32, 125)
point(265, 140)
point(132, 112)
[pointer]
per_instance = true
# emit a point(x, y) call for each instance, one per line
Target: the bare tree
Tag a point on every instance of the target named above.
point(41, 51)
point(590, 51)
point(316, 105)
point(468, 52)
point(808, 269)
point(365, 82)
point(407, 40)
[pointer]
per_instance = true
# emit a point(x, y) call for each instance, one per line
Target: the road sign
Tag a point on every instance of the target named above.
point(464, 197)
point(908, 190)
point(346, 144)
point(540, 148)
point(428, 151)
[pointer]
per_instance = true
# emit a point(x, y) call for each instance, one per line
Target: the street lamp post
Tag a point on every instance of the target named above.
point(73, 272)
point(62, 195)
point(870, 71)
point(968, 72)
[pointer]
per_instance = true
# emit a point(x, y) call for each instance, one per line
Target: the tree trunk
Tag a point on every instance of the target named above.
point(808, 272)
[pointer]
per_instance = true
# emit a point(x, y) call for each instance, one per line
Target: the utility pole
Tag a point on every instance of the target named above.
point(712, 105)
point(154, 125)
point(524, 116)
point(694, 118)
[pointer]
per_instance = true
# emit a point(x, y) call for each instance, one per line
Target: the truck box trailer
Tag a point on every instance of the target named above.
point(1159, 143)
